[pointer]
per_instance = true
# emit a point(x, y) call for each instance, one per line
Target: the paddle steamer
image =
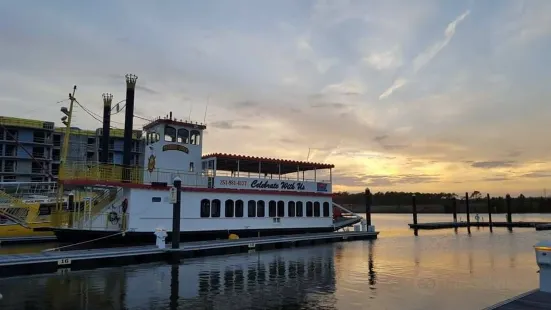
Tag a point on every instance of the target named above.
point(222, 194)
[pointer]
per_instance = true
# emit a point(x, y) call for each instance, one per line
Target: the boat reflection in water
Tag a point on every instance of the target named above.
point(299, 278)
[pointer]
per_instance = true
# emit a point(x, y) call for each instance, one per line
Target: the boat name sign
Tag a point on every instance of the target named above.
point(264, 184)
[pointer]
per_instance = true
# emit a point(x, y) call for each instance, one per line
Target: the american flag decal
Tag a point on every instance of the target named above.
point(322, 187)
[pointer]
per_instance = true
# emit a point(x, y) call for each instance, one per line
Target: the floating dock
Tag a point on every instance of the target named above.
point(62, 261)
point(447, 225)
point(25, 240)
point(533, 300)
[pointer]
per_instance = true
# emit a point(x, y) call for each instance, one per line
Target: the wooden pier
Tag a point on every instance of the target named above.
point(533, 300)
point(447, 225)
point(52, 261)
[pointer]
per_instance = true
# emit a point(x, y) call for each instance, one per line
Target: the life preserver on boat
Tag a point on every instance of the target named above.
point(124, 205)
point(113, 217)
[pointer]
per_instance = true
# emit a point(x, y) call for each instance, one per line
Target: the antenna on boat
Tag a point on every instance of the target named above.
point(308, 156)
point(190, 107)
point(206, 107)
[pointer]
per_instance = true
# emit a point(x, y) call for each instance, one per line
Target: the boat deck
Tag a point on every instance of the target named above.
point(51, 261)
point(533, 300)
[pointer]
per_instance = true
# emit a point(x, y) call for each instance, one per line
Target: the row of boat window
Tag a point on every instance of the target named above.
point(257, 208)
point(181, 135)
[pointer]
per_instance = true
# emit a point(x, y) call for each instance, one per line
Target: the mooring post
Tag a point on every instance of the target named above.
point(468, 212)
point(489, 212)
point(368, 201)
point(176, 209)
point(454, 209)
point(414, 209)
point(174, 286)
point(509, 217)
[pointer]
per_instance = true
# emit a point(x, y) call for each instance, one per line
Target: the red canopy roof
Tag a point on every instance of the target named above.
point(228, 162)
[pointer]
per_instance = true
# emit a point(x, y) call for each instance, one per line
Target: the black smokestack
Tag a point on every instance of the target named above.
point(129, 118)
point(107, 98)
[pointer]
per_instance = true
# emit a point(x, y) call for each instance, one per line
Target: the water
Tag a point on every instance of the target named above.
point(437, 270)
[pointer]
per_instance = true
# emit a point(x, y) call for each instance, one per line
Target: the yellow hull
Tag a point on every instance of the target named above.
point(14, 230)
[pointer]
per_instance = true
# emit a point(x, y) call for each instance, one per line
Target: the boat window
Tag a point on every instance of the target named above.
point(215, 208)
point(300, 211)
point(147, 138)
point(326, 209)
point(157, 137)
point(170, 134)
point(260, 208)
point(280, 208)
point(205, 208)
point(195, 137)
point(272, 210)
point(309, 209)
point(156, 199)
point(291, 209)
point(251, 206)
point(191, 167)
point(229, 208)
point(239, 208)
point(183, 135)
point(316, 209)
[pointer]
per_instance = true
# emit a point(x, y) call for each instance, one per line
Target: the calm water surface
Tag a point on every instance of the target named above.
point(437, 270)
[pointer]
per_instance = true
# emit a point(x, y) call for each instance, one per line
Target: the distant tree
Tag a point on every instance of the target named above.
point(476, 195)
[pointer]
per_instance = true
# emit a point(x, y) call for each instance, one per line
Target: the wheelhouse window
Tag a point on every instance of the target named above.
point(326, 209)
point(260, 208)
point(272, 208)
point(205, 208)
point(229, 208)
point(183, 136)
point(239, 208)
point(281, 208)
point(291, 209)
point(170, 134)
point(215, 208)
point(251, 208)
point(195, 137)
point(316, 209)
point(156, 199)
point(300, 210)
point(309, 209)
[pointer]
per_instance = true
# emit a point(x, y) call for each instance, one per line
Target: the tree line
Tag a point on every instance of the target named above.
point(392, 201)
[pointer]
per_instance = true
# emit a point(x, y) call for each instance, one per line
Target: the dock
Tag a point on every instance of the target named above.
point(447, 225)
point(533, 300)
point(63, 261)
point(25, 240)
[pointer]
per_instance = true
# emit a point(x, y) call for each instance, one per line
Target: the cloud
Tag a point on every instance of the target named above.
point(426, 56)
point(464, 89)
point(492, 164)
point(228, 125)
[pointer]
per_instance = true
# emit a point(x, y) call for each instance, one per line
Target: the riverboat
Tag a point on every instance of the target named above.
point(221, 194)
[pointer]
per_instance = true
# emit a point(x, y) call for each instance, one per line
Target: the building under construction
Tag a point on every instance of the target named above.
point(30, 150)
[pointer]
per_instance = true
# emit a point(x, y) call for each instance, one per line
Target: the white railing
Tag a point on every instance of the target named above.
point(256, 175)
point(192, 179)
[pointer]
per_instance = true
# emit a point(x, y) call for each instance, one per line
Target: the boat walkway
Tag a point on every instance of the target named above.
point(51, 261)
point(533, 300)
point(447, 225)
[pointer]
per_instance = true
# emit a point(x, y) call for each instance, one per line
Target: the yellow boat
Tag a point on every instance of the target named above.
point(20, 216)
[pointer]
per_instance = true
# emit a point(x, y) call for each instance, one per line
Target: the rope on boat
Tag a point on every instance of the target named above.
point(87, 241)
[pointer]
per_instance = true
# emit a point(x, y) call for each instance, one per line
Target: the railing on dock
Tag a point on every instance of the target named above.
point(83, 171)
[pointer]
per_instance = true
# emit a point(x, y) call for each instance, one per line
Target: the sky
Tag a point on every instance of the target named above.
point(429, 96)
